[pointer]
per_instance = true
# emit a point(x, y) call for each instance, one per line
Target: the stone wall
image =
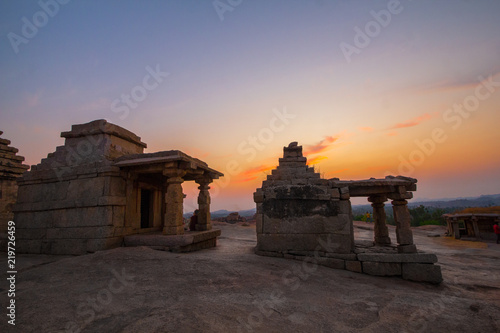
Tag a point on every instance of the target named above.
point(11, 168)
point(74, 201)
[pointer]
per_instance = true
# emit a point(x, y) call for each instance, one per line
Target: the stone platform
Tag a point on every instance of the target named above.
point(371, 259)
point(189, 242)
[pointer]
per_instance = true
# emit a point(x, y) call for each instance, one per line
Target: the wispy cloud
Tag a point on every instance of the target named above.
point(365, 129)
point(316, 160)
point(320, 146)
point(452, 85)
point(412, 122)
point(253, 173)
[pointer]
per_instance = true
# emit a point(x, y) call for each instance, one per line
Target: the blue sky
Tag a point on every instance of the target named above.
point(225, 78)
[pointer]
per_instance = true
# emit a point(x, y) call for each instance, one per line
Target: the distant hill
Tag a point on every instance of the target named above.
point(449, 204)
point(482, 201)
point(223, 213)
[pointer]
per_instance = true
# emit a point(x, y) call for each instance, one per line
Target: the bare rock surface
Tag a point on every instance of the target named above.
point(230, 289)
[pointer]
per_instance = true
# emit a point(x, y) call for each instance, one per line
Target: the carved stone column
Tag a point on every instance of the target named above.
point(404, 234)
point(204, 219)
point(380, 228)
point(174, 198)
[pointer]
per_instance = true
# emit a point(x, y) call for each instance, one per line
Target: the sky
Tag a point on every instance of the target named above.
point(368, 88)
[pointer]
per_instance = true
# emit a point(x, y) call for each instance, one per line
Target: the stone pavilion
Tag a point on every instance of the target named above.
point(100, 187)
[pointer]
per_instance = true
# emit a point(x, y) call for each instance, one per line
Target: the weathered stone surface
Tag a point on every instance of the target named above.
point(400, 257)
point(353, 266)
point(314, 224)
point(304, 242)
point(11, 168)
point(422, 272)
point(407, 248)
point(330, 262)
point(381, 268)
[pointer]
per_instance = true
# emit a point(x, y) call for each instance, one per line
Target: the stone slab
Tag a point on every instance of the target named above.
point(171, 241)
point(381, 268)
point(399, 257)
point(353, 266)
point(422, 272)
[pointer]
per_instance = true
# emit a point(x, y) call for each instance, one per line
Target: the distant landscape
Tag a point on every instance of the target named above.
point(423, 212)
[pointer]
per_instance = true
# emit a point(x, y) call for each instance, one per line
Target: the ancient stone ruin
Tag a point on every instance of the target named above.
point(302, 216)
point(100, 188)
point(471, 226)
point(11, 168)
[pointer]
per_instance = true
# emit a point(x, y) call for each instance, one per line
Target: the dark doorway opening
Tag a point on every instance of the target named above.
point(146, 208)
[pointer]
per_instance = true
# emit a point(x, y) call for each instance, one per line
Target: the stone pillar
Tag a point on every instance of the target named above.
point(404, 234)
point(379, 218)
point(456, 228)
point(174, 198)
point(475, 227)
point(204, 220)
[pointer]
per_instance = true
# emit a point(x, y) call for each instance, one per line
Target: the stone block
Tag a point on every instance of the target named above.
point(258, 223)
point(381, 268)
point(84, 217)
point(82, 189)
point(344, 256)
point(118, 216)
point(32, 233)
point(330, 262)
point(80, 232)
point(112, 201)
point(334, 193)
point(300, 181)
point(94, 245)
point(422, 272)
point(407, 248)
point(340, 224)
point(258, 196)
point(67, 246)
point(399, 257)
point(29, 246)
point(309, 224)
point(353, 266)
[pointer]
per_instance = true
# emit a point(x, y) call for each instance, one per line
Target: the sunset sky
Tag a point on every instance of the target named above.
point(368, 88)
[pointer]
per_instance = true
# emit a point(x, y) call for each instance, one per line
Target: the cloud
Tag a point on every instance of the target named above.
point(316, 160)
point(457, 84)
point(365, 129)
point(392, 133)
point(412, 122)
point(320, 146)
point(254, 173)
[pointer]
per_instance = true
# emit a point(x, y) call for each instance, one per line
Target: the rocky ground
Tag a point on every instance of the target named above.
point(230, 289)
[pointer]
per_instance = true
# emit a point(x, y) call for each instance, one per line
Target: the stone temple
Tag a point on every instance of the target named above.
point(11, 168)
point(305, 217)
point(100, 190)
